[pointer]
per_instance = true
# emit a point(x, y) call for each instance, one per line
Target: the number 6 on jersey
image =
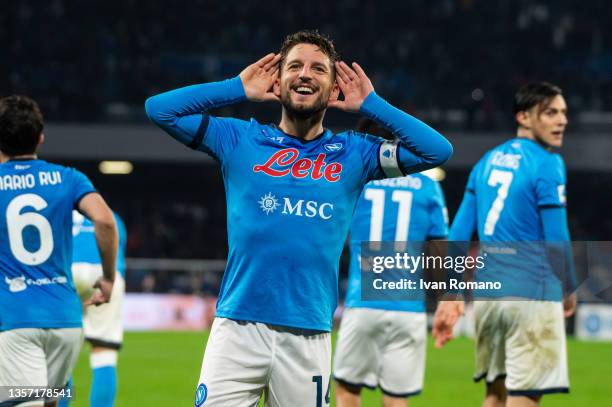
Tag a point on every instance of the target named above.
point(16, 222)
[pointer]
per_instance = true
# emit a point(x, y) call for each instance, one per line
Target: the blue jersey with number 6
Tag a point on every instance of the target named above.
point(399, 209)
point(36, 203)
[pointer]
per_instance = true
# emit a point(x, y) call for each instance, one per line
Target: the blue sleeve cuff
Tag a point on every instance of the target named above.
point(236, 89)
point(371, 104)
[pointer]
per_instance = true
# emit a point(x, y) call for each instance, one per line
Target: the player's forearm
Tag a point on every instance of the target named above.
point(421, 147)
point(464, 223)
point(558, 244)
point(107, 240)
point(179, 112)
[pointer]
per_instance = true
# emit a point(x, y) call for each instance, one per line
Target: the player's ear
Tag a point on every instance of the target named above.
point(523, 119)
point(41, 138)
point(276, 86)
point(335, 92)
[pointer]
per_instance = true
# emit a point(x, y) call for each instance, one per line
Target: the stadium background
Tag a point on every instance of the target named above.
point(453, 63)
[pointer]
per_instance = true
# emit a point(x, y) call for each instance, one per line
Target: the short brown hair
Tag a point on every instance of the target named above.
point(324, 43)
point(534, 94)
point(21, 124)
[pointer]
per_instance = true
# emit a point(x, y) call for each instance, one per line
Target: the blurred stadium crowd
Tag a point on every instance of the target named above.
point(100, 61)
point(454, 62)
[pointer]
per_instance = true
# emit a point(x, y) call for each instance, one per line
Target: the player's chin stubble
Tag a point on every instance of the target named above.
point(303, 111)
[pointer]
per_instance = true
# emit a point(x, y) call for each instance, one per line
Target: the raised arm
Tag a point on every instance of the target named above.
point(182, 113)
point(420, 147)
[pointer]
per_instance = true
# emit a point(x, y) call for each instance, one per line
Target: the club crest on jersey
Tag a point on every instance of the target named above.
point(16, 284)
point(285, 162)
point(333, 147)
point(201, 394)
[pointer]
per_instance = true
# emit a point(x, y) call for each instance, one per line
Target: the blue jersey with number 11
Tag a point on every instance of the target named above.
point(400, 209)
point(36, 203)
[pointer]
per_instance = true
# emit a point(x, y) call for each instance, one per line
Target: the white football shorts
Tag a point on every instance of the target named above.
point(523, 341)
point(34, 357)
point(242, 359)
point(378, 348)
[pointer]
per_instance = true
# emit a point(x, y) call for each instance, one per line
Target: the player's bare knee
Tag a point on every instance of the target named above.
point(523, 401)
point(389, 401)
point(496, 393)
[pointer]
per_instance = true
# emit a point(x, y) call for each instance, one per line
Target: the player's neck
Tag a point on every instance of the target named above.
point(4, 158)
point(303, 128)
point(522, 132)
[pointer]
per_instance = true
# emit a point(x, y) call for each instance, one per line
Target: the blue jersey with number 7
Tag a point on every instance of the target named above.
point(36, 203)
point(511, 183)
point(510, 186)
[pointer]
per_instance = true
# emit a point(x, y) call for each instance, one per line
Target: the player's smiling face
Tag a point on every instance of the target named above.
point(306, 80)
point(547, 122)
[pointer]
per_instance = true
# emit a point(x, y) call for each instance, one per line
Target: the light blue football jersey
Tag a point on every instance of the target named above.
point(511, 183)
point(85, 248)
point(399, 209)
point(290, 202)
point(289, 207)
point(36, 203)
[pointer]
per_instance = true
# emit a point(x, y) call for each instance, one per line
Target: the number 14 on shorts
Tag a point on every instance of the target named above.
point(319, 381)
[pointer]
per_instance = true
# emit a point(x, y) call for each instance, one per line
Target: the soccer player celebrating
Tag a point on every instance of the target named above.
point(103, 325)
point(516, 193)
point(41, 330)
point(291, 190)
point(382, 343)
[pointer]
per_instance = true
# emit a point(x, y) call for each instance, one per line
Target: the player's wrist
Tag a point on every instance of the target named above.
point(109, 278)
point(371, 104)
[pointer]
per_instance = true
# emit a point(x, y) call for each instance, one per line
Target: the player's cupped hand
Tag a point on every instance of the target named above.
point(102, 293)
point(354, 85)
point(446, 316)
point(258, 78)
point(569, 305)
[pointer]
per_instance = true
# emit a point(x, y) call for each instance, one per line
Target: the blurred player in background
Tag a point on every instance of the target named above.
point(382, 343)
point(103, 325)
point(41, 312)
point(516, 193)
point(291, 190)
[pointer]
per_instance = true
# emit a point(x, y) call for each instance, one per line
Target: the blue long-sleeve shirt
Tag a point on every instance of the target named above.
point(289, 202)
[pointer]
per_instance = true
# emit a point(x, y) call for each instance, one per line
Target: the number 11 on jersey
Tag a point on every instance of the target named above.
point(377, 197)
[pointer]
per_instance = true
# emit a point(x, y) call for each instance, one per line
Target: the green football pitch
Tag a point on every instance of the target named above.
point(161, 369)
